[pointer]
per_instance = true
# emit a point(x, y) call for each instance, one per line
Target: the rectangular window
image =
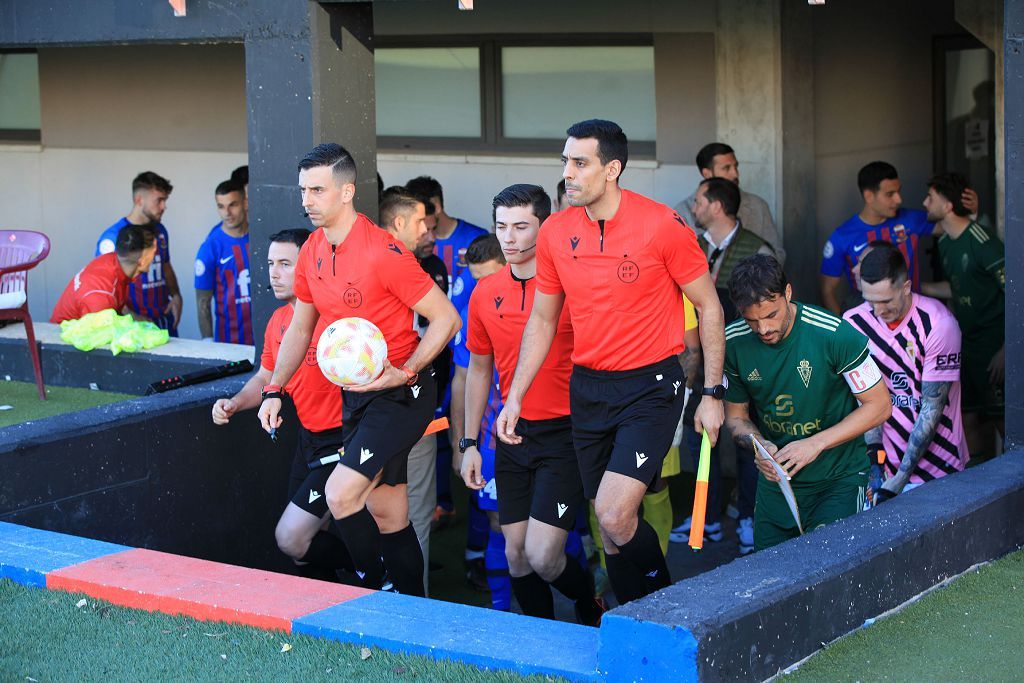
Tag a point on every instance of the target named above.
point(19, 96)
point(428, 92)
point(545, 89)
point(467, 94)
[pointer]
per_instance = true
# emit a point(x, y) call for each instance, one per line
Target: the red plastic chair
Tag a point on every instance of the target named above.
point(21, 251)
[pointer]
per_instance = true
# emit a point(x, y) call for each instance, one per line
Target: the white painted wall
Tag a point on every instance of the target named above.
point(72, 195)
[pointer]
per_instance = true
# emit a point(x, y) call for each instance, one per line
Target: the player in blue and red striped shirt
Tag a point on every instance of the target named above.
point(154, 294)
point(222, 271)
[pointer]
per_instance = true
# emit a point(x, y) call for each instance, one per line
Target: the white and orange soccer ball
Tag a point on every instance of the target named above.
point(351, 352)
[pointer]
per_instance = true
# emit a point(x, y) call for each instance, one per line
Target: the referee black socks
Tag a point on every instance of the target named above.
point(404, 561)
point(574, 582)
point(628, 582)
point(362, 538)
point(534, 596)
point(327, 550)
point(644, 551)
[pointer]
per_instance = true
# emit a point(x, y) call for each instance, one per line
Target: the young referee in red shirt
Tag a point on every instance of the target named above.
point(317, 554)
point(619, 261)
point(350, 267)
point(538, 480)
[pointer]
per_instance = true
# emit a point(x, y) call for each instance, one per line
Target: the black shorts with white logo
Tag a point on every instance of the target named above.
point(539, 477)
point(381, 427)
point(624, 421)
point(306, 486)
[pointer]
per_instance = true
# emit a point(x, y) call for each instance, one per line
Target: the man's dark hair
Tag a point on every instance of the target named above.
point(871, 176)
point(725, 192)
point(425, 186)
point(343, 166)
point(522, 194)
point(706, 155)
point(396, 201)
point(483, 249)
point(611, 141)
point(755, 279)
point(380, 188)
point(883, 262)
point(229, 186)
point(296, 236)
point(241, 175)
point(560, 190)
point(133, 239)
point(147, 180)
point(951, 186)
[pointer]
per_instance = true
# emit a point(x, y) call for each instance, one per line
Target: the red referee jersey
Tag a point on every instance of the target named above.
point(371, 276)
point(102, 284)
point(621, 280)
point(498, 311)
point(317, 401)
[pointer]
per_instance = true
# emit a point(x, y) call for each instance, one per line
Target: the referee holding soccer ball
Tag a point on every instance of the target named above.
point(350, 267)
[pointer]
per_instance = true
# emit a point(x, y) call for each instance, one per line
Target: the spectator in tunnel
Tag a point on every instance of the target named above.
point(561, 203)
point(718, 160)
point(915, 342)
point(104, 281)
point(222, 271)
point(973, 261)
point(300, 532)
point(241, 175)
point(880, 218)
point(155, 294)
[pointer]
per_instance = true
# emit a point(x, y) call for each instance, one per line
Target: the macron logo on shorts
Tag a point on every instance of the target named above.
point(675, 388)
point(562, 507)
point(313, 495)
point(364, 455)
point(416, 391)
point(640, 460)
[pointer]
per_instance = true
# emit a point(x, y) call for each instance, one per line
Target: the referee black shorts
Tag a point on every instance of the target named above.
point(539, 477)
point(624, 421)
point(305, 485)
point(381, 427)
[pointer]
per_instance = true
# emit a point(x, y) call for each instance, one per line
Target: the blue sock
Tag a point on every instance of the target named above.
point(478, 527)
point(497, 572)
point(574, 548)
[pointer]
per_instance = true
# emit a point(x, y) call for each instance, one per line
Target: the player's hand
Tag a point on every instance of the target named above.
point(507, 421)
point(796, 455)
point(390, 378)
point(766, 467)
point(997, 367)
point(223, 409)
point(969, 199)
point(709, 416)
point(472, 465)
point(270, 417)
point(174, 308)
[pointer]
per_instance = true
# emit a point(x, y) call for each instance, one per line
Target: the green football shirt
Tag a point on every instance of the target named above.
point(803, 385)
point(975, 264)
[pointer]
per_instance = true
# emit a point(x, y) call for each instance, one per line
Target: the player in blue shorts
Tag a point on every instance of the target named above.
point(154, 294)
point(222, 271)
point(881, 218)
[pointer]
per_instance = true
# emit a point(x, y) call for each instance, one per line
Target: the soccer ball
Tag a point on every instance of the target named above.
point(351, 352)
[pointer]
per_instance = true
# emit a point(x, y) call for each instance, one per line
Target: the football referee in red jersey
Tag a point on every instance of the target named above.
point(350, 267)
point(622, 263)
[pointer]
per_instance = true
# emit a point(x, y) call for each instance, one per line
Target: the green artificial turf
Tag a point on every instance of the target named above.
point(46, 637)
point(25, 404)
point(970, 630)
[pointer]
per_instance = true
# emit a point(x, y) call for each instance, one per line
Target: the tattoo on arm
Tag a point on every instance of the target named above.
point(934, 397)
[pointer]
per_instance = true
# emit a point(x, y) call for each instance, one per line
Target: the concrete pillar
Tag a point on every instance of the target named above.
point(309, 79)
point(1014, 217)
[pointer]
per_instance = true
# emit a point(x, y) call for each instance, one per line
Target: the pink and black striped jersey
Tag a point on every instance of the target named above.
point(924, 347)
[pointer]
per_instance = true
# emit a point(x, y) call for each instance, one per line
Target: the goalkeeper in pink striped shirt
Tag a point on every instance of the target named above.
point(915, 341)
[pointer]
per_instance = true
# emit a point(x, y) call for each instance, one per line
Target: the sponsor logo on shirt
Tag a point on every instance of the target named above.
point(574, 242)
point(200, 268)
point(498, 301)
point(949, 361)
point(899, 381)
point(784, 405)
point(829, 251)
point(754, 376)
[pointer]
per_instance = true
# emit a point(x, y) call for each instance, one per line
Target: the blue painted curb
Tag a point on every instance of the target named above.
point(27, 555)
point(632, 650)
point(477, 636)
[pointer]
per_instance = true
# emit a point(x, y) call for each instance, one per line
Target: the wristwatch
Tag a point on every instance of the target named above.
point(411, 376)
point(465, 443)
point(273, 391)
point(716, 392)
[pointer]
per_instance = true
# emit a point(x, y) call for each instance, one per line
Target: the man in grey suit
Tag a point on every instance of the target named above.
point(718, 160)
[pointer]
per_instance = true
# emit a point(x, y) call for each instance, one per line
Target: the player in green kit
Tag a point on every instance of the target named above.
point(973, 261)
point(804, 371)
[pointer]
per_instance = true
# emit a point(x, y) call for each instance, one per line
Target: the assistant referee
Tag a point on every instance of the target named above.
point(622, 263)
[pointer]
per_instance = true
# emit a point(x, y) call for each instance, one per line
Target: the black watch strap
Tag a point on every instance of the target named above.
point(465, 443)
point(717, 391)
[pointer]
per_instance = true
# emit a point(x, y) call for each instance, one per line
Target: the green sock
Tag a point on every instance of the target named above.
point(595, 533)
point(658, 513)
